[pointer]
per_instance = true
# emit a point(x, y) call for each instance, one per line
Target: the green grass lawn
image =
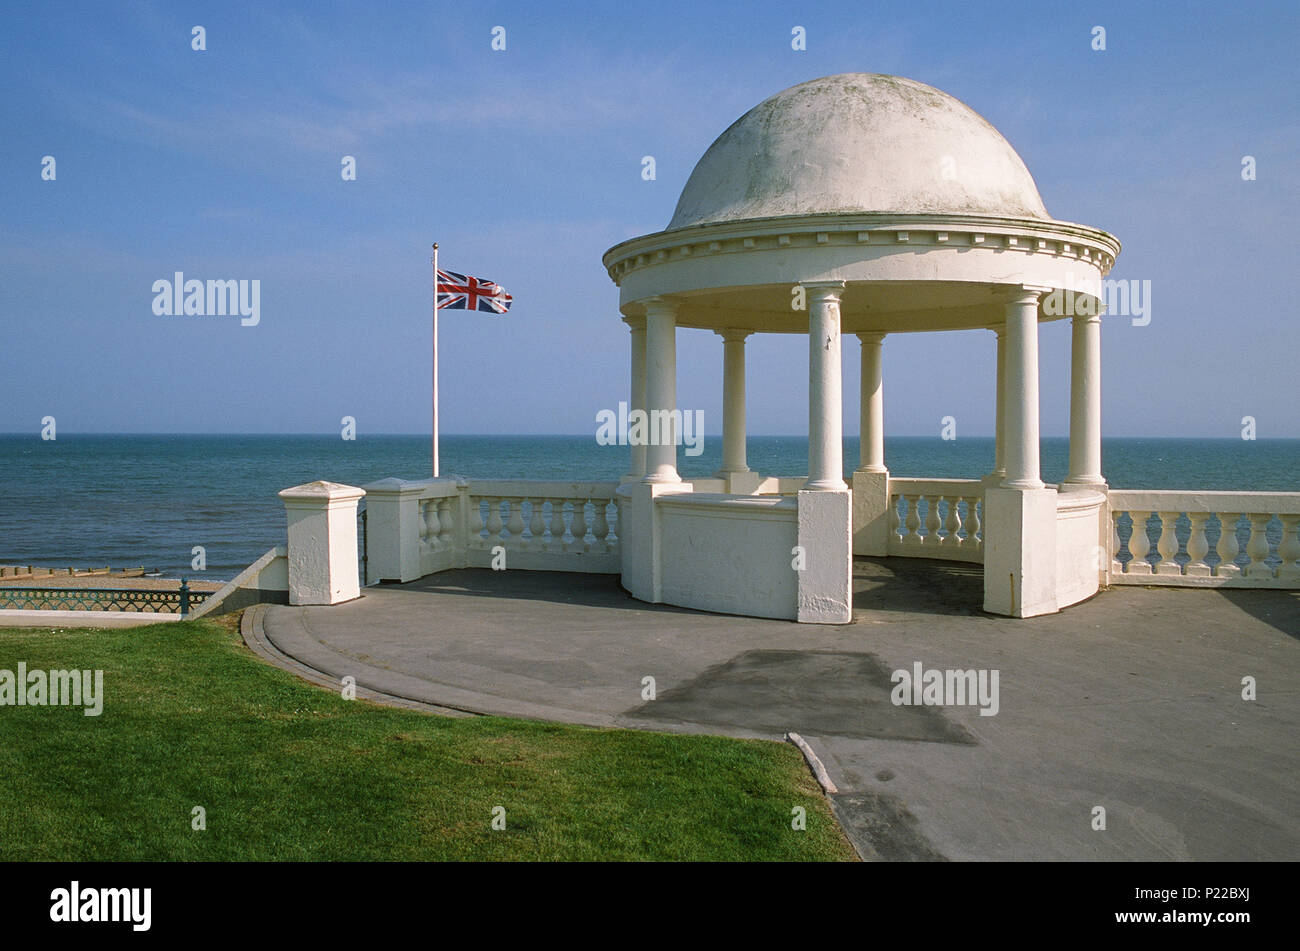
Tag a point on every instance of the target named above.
point(288, 771)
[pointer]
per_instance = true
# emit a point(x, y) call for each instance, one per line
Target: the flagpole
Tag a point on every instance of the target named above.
point(435, 359)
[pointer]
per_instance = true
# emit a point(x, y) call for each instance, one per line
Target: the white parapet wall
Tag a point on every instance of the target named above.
point(730, 554)
point(1081, 553)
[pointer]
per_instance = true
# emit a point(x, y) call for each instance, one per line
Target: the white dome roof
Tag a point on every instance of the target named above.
point(854, 143)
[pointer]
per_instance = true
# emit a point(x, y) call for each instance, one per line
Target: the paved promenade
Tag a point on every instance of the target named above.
point(1131, 701)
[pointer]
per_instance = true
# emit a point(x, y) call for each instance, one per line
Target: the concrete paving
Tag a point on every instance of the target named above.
point(1131, 702)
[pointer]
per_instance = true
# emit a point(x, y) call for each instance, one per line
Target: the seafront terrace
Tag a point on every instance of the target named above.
point(414, 529)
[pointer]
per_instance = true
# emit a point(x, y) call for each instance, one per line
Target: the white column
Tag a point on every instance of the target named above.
point(825, 425)
point(871, 458)
point(637, 397)
point(661, 389)
point(1085, 402)
point(733, 401)
point(1021, 391)
point(1000, 407)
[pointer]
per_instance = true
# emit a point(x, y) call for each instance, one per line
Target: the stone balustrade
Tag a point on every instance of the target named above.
point(1210, 539)
point(419, 528)
point(936, 518)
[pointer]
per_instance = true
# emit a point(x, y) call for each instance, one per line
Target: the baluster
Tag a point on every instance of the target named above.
point(557, 526)
point(515, 526)
point(953, 522)
point(494, 523)
point(1227, 546)
point(421, 525)
point(536, 525)
point(579, 525)
point(913, 535)
point(432, 526)
point(1116, 543)
point(616, 531)
point(1139, 545)
point(1198, 546)
point(445, 523)
point(475, 522)
point(1257, 548)
point(600, 527)
point(1168, 545)
point(972, 523)
point(1288, 549)
point(894, 519)
point(932, 520)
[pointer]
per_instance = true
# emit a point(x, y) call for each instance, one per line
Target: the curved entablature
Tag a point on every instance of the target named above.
point(902, 272)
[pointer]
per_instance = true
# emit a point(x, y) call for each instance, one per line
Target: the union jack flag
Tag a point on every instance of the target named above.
point(459, 292)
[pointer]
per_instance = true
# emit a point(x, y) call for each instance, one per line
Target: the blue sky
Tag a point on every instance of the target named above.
point(525, 166)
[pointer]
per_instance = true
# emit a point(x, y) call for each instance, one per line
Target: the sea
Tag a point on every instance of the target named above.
point(134, 500)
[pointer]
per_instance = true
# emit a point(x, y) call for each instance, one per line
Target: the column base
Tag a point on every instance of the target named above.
point(741, 483)
point(825, 485)
point(1094, 483)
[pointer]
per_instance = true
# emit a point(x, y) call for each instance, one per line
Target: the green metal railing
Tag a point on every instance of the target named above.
point(144, 600)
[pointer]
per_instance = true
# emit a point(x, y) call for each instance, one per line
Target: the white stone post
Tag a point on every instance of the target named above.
point(871, 478)
point(636, 325)
point(661, 390)
point(1085, 403)
point(1021, 391)
point(825, 424)
point(733, 402)
point(322, 519)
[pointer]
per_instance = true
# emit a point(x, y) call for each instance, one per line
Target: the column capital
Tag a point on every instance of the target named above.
point(659, 306)
point(634, 321)
point(871, 336)
point(1080, 320)
point(1025, 293)
point(823, 290)
point(732, 334)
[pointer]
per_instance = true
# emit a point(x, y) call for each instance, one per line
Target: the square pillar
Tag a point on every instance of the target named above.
point(393, 530)
point(1019, 551)
point(322, 519)
point(825, 585)
point(641, 539)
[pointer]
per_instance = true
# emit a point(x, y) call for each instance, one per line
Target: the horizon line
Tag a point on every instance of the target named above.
point(37, 435)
